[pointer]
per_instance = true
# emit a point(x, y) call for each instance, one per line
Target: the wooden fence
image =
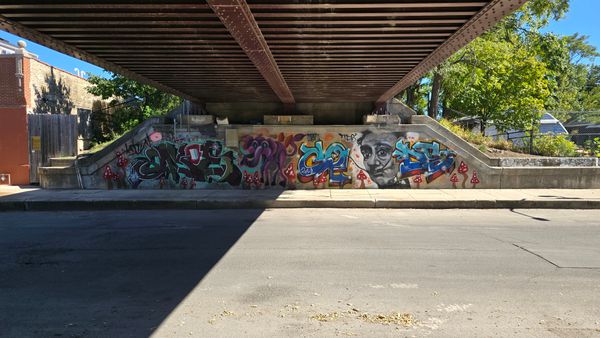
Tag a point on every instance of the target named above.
point(50, 135)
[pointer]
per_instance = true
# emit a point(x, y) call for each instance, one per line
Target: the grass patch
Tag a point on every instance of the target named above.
point(99, 146)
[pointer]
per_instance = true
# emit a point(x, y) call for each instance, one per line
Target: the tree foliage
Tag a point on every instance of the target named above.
point(150, 100)
point(129, 103)
point(516, 71)
point(498, 81)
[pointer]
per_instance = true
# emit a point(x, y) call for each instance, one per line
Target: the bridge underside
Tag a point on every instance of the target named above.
point(260, 50)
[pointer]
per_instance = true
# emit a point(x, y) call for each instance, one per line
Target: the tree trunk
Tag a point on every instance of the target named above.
point(444, 107)
point(482, 126)
point(410, 96)
point(435, 94)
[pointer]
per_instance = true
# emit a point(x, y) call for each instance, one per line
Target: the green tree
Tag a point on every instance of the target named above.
point(130, 103)
point(151, 101)
point(497, 81)
point(559, 80)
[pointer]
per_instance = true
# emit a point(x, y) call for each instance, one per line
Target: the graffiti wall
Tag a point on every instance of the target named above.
point(270, 159)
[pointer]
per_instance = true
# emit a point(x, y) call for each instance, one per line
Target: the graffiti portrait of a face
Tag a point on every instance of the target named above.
point(377, 152)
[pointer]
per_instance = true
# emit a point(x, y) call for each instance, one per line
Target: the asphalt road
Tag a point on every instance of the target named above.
point(300, 272)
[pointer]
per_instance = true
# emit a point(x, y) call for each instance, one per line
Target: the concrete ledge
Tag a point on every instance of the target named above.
point(548, 162)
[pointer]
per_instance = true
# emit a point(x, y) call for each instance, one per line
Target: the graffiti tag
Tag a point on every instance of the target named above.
point(423, 158)
point(204, 161)
point(315, 162)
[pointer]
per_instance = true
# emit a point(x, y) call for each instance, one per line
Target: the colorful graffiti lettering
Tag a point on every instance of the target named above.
point(207, 161)
point(423, 158)
point(314, 163)
point(372, 158)
point(269, 156)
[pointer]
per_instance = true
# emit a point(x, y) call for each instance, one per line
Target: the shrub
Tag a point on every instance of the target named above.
point(554, 145)
point(592, 147)
point(501, 144)
point(545, 145)
point(484, 142)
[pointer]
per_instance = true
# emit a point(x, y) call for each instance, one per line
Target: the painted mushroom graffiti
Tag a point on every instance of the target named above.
point(454, 180)
point(361, 177)
point(474, 179)
point(463, 169)
point(418, 180)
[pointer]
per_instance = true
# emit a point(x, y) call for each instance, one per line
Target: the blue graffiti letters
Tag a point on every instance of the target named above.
point(314, 162)
point(423, 158)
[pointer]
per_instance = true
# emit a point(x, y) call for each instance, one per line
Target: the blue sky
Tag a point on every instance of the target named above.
point(55, 58)
point(582, 18)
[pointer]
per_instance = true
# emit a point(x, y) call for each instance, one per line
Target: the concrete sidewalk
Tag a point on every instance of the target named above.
point(31, 198)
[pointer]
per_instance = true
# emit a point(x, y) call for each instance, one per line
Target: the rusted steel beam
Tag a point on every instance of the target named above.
point(313, 15)
point(483, 20)
point(82, 29)
point(402, 22)
point(237, 18)
point(195, 6)
point(43, 39)
point(171, 43)
point(187, 23)
point(367, 5)
point(193, 15)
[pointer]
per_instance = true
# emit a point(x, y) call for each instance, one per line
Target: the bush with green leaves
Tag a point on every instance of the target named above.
point(554, 145)
point(592, 147)
point(484, 142)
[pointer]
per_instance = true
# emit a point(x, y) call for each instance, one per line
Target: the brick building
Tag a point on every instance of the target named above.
point(30, 86)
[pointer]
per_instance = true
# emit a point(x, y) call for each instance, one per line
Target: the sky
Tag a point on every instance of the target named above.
point(581, 19)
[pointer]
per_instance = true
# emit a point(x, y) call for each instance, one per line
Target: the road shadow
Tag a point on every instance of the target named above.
point(541, 219)
point(106, 273)
point(561, 197)
point(35, 199)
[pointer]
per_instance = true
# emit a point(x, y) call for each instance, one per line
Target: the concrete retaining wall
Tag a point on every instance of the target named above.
point(421, 155)
point(549, 162)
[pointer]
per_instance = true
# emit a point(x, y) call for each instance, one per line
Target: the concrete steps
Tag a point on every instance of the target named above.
point(58, 177)
point(62, 161)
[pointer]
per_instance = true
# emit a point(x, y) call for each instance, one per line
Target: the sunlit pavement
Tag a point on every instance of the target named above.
point(307, 272)
point(35, 199)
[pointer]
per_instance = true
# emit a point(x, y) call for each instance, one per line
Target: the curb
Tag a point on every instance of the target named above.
point(212, 204)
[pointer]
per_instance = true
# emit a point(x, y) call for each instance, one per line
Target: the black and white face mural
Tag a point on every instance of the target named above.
point(377, 149)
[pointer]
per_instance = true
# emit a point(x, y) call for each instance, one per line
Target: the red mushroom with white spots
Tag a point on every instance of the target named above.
point(256, 180)
point(475, 180)
point(463, 168)
point(108, 176)
point(362, 177)
point(183, 183)
point(418, 180)
point(320, 180)
point(290, 174)
point(247, 180)
point(454, 180)
point(121, 160)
